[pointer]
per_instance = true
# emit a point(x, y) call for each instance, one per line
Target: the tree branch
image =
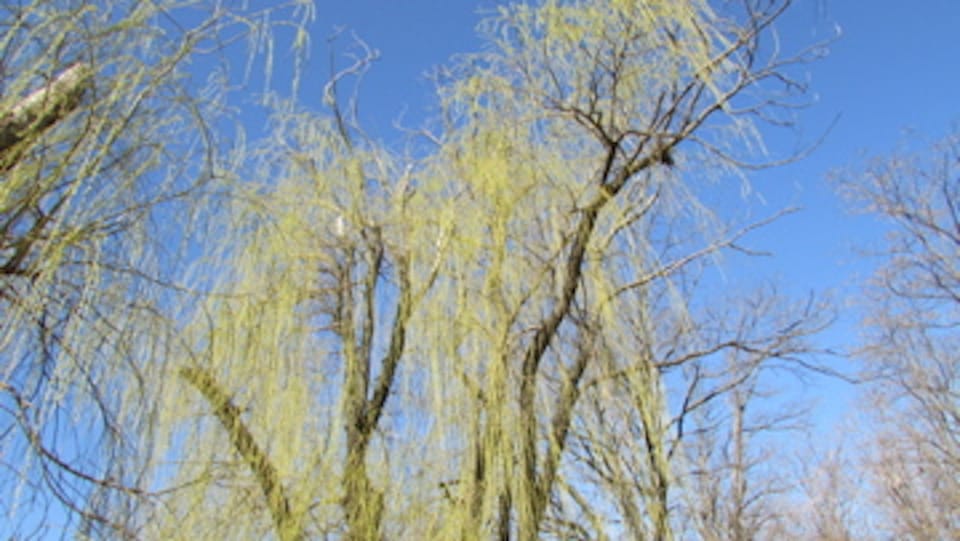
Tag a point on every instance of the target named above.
point(40, 110)
point(246, 446)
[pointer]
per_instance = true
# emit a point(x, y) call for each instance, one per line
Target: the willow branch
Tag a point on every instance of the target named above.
point(246, 446)
point(390, 362)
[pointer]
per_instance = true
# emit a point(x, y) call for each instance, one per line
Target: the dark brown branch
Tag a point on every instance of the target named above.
point(390, 362)
point(560, 423)
point(374, 262)
point(37, 443)
point(549, 326)
point(362, 502)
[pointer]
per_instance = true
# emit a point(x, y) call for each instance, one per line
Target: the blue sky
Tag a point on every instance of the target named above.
point(891, 78)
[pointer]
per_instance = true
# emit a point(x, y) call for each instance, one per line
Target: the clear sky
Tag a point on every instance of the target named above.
point(890, 77)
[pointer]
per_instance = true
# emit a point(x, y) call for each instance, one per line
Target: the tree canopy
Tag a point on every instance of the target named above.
point(507, 326)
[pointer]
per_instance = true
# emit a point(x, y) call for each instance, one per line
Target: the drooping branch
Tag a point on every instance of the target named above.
point(40, 110)
point(229, 415)
point(52, 460)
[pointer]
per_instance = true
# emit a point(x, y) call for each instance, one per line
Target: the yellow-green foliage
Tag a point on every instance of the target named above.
point(517, 275)
point(104, 191)
point(563, 117)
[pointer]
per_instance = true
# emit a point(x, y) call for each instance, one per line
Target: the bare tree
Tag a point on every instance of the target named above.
point(705, 464)
point(912, 341)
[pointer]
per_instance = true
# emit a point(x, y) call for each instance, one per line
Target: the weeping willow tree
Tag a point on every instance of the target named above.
point(108, 161)
point(496, 332)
